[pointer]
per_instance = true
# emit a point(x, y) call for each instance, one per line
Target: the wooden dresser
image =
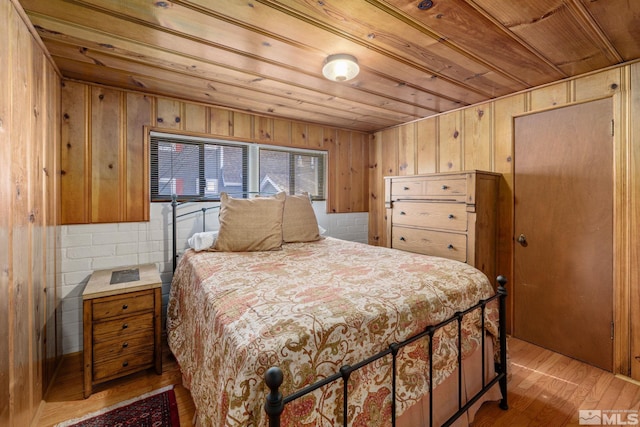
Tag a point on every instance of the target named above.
point(122, 312)
point(451, 215)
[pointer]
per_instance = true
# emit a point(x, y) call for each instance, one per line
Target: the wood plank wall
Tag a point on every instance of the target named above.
point(104, 157)
point(29, 250)
point(481, 137)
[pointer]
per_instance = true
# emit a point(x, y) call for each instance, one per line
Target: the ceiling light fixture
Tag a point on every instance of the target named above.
point(340, 67)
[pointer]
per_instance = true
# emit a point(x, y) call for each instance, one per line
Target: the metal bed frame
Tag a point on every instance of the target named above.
point(174, 227)
point(275, 402)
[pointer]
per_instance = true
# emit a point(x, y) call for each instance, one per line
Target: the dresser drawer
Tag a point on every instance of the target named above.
point(122, 346)
point(452, 188)
point(123, 364)
point(121, 305)
point(429, 242)
point(123, 327)
point(446, 187)
point(447, 216)
point(403, 188)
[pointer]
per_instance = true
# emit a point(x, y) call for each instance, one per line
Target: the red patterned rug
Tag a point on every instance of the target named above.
point(155, 409)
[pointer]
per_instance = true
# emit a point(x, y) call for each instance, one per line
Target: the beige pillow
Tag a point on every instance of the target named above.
point(250, 224)
point(299, 223)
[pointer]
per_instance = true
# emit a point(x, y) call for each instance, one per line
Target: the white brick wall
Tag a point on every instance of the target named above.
point(86, 248)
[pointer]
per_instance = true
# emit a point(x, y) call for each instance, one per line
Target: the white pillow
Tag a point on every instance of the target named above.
point(202, 241)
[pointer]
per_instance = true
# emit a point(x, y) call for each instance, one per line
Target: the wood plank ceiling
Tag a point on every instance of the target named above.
point(417, 57)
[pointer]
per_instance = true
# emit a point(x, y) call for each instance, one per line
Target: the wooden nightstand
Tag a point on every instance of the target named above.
point(122, 312)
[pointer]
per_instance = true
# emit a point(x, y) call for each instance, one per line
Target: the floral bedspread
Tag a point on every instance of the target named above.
point(310, 309)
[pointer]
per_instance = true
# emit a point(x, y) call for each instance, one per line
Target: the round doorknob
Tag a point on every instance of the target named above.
point(522, 239)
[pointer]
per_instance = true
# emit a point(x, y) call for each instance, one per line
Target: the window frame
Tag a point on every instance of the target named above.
point(251, 165)
point(322, 157)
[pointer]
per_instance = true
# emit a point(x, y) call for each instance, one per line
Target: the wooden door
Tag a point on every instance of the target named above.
point(563, 257)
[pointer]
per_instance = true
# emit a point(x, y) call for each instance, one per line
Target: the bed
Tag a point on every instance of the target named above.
point(322, 332)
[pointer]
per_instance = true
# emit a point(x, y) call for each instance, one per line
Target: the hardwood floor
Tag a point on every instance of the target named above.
point(545, 389)
point(548, 389)
point(64, 400)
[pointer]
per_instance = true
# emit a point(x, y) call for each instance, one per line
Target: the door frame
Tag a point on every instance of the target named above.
point(622, 227)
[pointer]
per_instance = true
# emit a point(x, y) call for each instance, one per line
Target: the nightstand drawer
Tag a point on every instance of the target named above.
point(123, 364)
point(121, 347)
point(121, 327)
point(448, 216)
point(121, 305)
point(428, 242)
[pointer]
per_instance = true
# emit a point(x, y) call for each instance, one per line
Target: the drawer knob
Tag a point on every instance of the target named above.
point(125, 326)
point(125, 344)
point(405, 188)
point(451, 216)
point(125, 364)
point(125, 306)
point(402, 239)
point(444, 187)
point(403, 213)
point(450, 246)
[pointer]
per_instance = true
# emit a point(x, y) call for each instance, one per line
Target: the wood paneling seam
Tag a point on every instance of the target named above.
point(516, 38)
point(87, 154)
point(122, 157)
point(597, 35)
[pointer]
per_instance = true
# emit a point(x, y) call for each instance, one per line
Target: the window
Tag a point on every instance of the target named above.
point(292, 171)
point(196, 169)
point(201, 169)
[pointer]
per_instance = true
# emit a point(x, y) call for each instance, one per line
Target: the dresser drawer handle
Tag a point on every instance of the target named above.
point(403, 213)
point(125, 364)
point(402, 239)
point(444, 187)
point(450, 246)
point(451, 216)
point(405, 188)
point(125, 345)
point(125, 326)
point(125, 306)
